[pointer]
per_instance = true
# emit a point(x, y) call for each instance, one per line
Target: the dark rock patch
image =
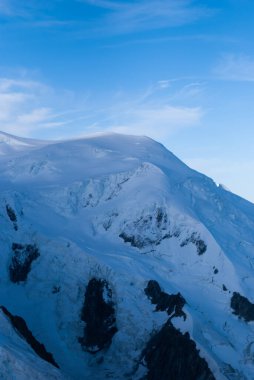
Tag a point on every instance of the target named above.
point(12, 216)
point(21, 261)
point(172, 355)
point(98, 313)
point(199, 243)
point(56, 289)
point(201, 246)
point(20, 326)
point(161, 218)
point(136, 240)
point(140, 241)
point(147, 229)
point(242, 307)
point(172, 303)
point(224, 288)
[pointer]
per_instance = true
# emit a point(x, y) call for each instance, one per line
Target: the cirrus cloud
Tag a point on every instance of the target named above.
point(30, 108)
point(27, 106)
point(142, 15)
point(236, 67)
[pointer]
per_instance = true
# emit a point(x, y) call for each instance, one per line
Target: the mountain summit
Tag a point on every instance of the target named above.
point(118, 261)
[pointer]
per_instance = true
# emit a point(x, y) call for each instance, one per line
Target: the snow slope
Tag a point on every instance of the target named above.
point(18, 360)
point(126, 210)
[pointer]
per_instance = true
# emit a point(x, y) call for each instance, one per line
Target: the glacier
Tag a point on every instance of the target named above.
point(106, 215)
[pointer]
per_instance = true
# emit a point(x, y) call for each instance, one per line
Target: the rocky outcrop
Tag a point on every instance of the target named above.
point(199, 243)
point(242, 307)
point(12, 216)
point(151, 228)
point(98, 313)
point(20, 326)
point(172, 303)
point(172, 355)
point(136, 240)
point(169, 354)
point(148, 229)
point(21, 261)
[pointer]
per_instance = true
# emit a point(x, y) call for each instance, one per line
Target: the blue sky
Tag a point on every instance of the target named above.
point(180, 71)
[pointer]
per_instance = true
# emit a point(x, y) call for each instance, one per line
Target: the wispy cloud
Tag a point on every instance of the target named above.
point(165, 83)
point(156, 112)
point(28, 106)
point(16, 8)
point(113, 18)
point(203, 38)
point(9, 102)
point(11, 84)
point(141, 15)
point(159, 122)
point(33, 14)
point(190, 91)
point(51, 23)
point(35, 116)
point(235, 67)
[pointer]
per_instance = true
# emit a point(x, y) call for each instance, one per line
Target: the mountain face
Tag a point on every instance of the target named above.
point(117, 261)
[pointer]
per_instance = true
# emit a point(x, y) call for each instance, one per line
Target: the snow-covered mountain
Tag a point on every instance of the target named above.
point(117, 261)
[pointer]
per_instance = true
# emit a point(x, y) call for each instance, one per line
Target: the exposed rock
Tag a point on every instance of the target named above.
point(99, 315)
point(172, 303)
point(21, 327)
point(12, 216)
point(147, 229)
point(139, 241)
point(172, 355)
point(56, 289)
point(161, 218)
point(242, 307)
point(21, 261)
point(199, 243)
point(136, 240)
point(224, 288)
point(11, 213)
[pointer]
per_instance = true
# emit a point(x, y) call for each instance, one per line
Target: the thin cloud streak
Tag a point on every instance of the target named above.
point(154, 113)
point(47, 23)
point(32, 14)
point(235, 68)
point(159, 122)
point(7, 84)
point(142, 15)
point(116, 17)
point(28, 107)
point(16, 8)
point(106, 4)
point(205, 38)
